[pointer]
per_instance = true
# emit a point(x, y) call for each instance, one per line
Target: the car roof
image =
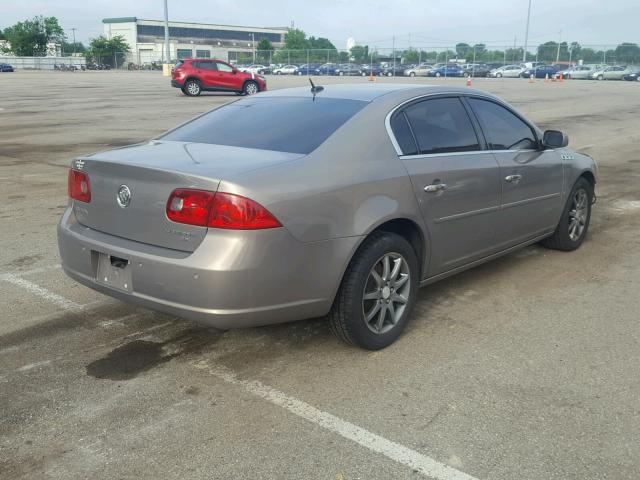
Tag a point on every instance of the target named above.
point(368, 92)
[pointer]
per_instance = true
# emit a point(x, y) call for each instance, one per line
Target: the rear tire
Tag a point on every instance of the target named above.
point(574, 223)
point(371, 310)
point(600, 77)
point(192, 88)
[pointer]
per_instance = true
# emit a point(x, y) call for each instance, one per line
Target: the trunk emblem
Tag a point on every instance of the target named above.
point(124, 196)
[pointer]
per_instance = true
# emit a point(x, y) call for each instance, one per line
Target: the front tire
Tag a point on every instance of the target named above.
point(574, 223)
point(438, 74)
point(250, 88)
point(600, 77)
point(377, 293)
point(192, 88)
point(412, 74)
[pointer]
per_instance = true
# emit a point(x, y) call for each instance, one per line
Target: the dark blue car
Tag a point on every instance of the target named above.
point(451, 70)
point(307, 69)
point(327, 69)
point(541, 71)
point(5, 67)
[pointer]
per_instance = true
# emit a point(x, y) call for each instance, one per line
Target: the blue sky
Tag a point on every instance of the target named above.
point(426, 23)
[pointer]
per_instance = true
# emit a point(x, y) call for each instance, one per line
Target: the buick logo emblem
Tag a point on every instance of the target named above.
point(124, 196)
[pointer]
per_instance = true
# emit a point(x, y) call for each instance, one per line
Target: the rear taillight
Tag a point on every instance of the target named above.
point(79, 187)
point(218, 210)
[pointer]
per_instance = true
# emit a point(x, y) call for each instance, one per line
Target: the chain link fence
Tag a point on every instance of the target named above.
point(324, 61)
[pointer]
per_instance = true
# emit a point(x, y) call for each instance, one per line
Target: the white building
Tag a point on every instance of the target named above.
point(146, 39)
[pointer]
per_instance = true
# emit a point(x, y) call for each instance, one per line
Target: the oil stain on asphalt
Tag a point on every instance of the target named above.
point(131, 359)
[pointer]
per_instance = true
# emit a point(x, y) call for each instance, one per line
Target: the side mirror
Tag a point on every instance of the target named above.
point(235, 70)
point(555, 139)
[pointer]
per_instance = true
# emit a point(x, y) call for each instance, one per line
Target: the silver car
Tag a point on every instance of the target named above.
point(339, 202)
point(611, 73)
point(508, 71)
point(421, 70)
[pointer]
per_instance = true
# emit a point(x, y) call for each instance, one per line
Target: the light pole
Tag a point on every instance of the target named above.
point(526, 35)
point(253, 47)
point(166, 69)
point(74, 41)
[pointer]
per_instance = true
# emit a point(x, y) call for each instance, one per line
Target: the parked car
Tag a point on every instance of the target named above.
point(368, 69)
point(394, 71)
point(285, 70)
point(421, 70)
point(476, 70)
point(348, 69)
point(633, 75)
point(449, 70)
point(256, 69)
point(506, 71)
point(577, 72)
point(5, 67)
point(307, 69)
point(193, 76)
point(541, 71)
point(327, 69)
point(189, 222)
point(610, 73)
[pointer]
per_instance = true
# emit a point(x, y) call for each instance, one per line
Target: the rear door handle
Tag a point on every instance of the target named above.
point(436, 187)
point(515, 178)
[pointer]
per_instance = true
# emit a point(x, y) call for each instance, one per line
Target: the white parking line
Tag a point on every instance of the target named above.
point(392, 450)
point(42, 292)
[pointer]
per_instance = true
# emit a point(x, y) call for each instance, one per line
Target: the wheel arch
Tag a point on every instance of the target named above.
point(244, 83)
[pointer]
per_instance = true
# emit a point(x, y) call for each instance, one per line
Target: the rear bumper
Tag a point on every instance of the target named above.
point(234, 278)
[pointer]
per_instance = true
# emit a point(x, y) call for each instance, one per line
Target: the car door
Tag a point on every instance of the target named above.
point(226, 77)
point(531, 178)
point(614, 73)
point(456, 183)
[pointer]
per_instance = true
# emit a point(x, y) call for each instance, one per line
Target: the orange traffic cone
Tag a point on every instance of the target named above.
point(531, 78)
point(561, 79)
point(468, 81)
point(371, 77)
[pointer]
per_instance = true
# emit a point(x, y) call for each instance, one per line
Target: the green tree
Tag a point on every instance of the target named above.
point(31, 37)
point(360, 53)
point(109, 51)
point(463, 49)
point(320, 44)
point(265, 50)
point(295, 39)
point(627, 53)
point(411, 56)
point(70, 47)
point(2, 37)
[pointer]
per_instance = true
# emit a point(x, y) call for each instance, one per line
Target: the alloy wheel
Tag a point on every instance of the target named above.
point(251, 88)
point(386, 292)
point(193, 88)
point(578, 214)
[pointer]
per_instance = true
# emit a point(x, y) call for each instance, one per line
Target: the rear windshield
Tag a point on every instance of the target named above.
point(283, 124)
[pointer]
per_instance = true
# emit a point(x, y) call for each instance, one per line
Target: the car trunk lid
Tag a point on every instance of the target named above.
point(150, 172)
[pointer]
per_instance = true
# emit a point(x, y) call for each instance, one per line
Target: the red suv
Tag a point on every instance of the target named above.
point(195, 75)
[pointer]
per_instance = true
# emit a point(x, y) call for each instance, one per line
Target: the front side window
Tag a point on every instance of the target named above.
point(503, 129)
point(441, 125)
point(223, 67)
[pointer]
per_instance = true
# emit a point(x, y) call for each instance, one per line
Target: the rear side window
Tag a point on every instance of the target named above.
point(403, 134)
point(503, 130)
point(284, 124)
point(442, 125)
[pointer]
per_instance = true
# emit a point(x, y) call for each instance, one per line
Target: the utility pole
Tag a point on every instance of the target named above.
point(526, 35)
point(253, 47)
point(166, 69)
point(74, 41)
point(393, 52)
point(559, 42)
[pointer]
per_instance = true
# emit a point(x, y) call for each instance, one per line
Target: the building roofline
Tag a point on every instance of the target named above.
point(136, 19)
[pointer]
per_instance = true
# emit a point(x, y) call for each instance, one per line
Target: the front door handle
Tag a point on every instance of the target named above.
point(436, 187)
point(515, 178)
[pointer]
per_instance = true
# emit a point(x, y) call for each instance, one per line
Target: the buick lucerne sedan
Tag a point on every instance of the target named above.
point(336, 203)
